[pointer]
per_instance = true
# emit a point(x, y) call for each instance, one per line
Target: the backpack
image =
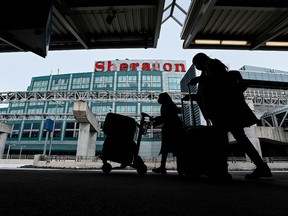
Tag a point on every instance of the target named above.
point(237, 81)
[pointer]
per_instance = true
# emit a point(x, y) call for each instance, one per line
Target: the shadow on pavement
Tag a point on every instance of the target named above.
point(75, 192)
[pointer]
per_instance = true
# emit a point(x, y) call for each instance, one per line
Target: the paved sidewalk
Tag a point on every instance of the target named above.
point(28, 192)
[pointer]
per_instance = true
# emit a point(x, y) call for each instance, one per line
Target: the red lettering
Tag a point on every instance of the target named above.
point(146, 67)
point(114, 67)
point(167, 65)
point(134, 66)
point(99, 66)
point(123, 67)
point(177, 68)
point(156, 66)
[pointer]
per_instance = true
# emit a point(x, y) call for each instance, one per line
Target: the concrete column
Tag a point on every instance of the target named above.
point(88, 128)
point(86, 140)
point(5, 129)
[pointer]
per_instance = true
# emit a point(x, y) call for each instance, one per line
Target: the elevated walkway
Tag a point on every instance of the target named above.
point(256, 134)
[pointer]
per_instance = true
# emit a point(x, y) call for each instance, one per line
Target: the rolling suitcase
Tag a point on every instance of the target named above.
point(203, 150)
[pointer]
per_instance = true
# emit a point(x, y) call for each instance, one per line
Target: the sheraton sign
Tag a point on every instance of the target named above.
point(140, 65)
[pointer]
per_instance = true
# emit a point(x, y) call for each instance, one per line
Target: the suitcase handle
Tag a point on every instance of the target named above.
point(192, 105)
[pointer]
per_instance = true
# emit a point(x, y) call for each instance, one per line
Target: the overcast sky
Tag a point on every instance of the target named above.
point(17, 69)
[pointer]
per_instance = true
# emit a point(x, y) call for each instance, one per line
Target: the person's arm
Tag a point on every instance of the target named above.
point(157, 121)
point(196, 80)
point(193, 97)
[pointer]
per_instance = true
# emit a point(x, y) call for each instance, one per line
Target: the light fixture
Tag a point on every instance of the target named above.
point(110, 17)
point(276, 43)
point(221, 42)
point(233, 42)
point(214, 42)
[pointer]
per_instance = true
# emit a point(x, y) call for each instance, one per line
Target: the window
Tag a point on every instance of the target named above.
point(174, 83)
point(60, 83)
point(53, 105)
point(103, 82)
point(81, 82)
point(151, 109)
point(53, 110)
point(72, 129)
point(40, 85)
point(16, 111)
point(35, 110)
point(17, 105)
point(153, 81)
point(127, 81)
point(126, 109)
point(101, 109)
point(31, 130)
point(15, 131)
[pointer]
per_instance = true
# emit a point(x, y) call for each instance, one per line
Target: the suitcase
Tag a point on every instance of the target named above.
point(203, 150)
point(119, 145)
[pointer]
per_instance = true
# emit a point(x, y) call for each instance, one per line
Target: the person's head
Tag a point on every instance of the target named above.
point(199, 60)
point(164, 98)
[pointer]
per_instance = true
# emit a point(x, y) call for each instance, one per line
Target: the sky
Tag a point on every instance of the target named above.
point(18, 68)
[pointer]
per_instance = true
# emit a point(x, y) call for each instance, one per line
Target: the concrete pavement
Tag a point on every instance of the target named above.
point(26, 191)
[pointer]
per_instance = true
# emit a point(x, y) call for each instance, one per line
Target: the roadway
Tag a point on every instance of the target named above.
point(27, 191)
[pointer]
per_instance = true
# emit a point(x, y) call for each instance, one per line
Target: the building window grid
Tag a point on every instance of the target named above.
point(150, 109)
point(35, 110)
point(174, 83)
point(126, 109)
point(127, 81)
point(72, 129)
point(17, 104)
point(53, 110)
point(58, 84)
point(16, 111)
point(40, 85)
point(101, 109)
point(80, 82)
point(15, 130)
point(31, 130)
point(149, 81)
point(103, 82)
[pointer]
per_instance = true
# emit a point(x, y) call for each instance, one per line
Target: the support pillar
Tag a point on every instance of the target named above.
point(5, 129)
point(88, 129)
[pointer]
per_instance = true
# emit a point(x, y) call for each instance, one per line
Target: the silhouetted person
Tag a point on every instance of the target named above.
point(171, 127)
point(221, 100)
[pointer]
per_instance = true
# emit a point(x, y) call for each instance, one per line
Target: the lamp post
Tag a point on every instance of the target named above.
point(54, 123)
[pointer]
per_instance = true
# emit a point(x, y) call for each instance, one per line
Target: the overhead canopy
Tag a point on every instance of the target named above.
point(39, 26)
point(237, 24)
point(78, 24)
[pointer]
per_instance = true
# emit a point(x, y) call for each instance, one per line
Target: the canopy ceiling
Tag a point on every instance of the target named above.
point(237, 24)
point(46, 25)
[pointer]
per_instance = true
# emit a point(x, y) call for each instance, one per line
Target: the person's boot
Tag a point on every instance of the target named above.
point(159, 170)
point(261, 171)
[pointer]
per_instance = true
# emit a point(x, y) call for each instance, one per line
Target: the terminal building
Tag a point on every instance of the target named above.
point(130, 87)
point(118, 86)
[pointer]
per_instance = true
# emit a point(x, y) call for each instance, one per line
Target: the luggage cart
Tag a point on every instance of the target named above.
point(119, 145)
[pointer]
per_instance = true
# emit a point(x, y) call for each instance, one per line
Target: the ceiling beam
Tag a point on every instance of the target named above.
point(117, 5)
point(194, 20)
point(62, 12)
